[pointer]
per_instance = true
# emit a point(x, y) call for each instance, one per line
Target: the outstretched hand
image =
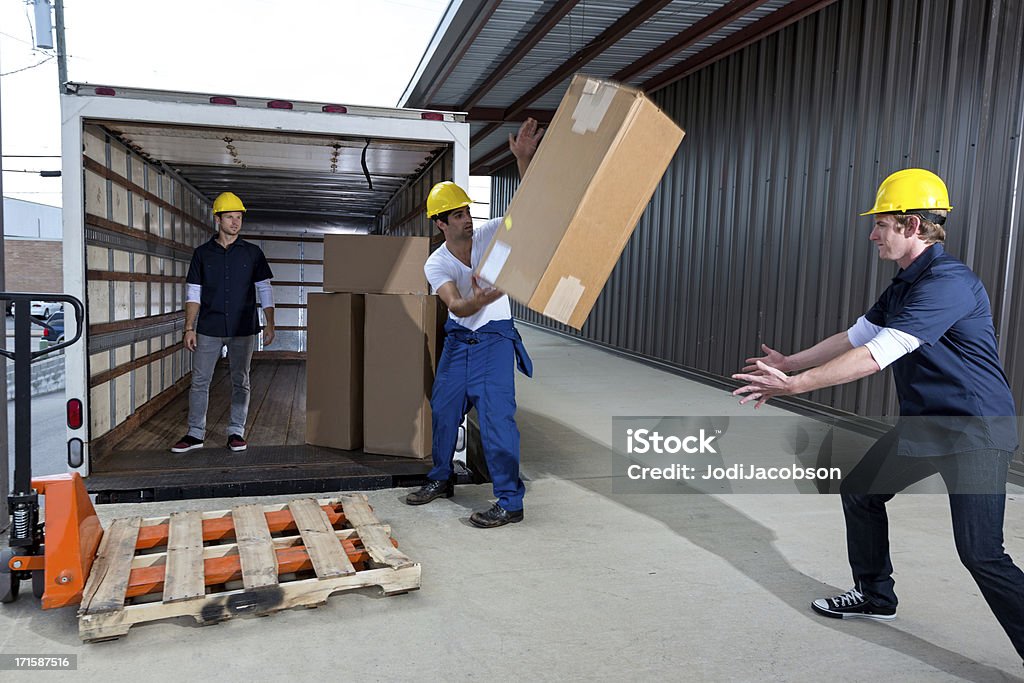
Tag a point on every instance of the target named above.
point(764, 382)
point(771, 357)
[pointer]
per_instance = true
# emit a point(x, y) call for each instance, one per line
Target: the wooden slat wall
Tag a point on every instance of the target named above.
point(135, 211)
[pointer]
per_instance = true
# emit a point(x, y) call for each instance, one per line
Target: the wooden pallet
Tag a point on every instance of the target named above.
point(250, 560)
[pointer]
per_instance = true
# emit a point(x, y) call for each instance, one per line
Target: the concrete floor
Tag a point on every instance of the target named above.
point(594, 584)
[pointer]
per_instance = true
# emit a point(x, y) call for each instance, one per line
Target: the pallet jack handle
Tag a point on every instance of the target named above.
point(23, 502)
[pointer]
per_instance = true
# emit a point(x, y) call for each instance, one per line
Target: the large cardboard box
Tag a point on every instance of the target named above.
point(334, 370)
point(375, 264)
point(402, 335)
point(591, 179)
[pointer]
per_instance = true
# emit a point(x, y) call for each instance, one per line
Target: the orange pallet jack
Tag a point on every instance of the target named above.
point(55, 556)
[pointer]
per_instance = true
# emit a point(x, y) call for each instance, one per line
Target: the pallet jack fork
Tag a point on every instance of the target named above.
point(55, 555)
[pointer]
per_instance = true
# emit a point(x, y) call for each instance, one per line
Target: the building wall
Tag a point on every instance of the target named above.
point(33, 265)
point(33, 259)
point(754, 236)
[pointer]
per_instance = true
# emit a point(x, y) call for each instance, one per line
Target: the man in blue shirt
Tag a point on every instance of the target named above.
point(223, 280)
point(933, 324)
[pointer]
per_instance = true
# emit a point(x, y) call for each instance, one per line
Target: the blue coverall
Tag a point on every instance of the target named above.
point(477, 369)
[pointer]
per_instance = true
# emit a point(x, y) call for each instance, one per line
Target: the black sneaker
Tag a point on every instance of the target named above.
point(237, 443)
point(187, 443)
point(852, 605)
point(495, 516)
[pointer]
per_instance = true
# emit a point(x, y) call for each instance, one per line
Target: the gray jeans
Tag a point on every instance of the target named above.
point(204, 361)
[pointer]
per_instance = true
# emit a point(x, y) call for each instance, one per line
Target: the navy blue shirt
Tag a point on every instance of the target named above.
point(228, 277)
point(955, 374)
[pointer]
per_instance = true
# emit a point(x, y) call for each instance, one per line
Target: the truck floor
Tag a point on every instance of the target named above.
point(141, 467)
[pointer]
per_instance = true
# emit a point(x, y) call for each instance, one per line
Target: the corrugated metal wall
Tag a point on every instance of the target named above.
point(753, 235)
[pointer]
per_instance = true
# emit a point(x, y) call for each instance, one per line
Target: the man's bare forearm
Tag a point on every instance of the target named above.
point(191, 313)
point(855, 364)
point(819, 354)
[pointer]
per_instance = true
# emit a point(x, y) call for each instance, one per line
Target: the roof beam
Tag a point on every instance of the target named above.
point(611, 35)
point(488, 169)
point(497, 115)
point(776, 21)
point(536, 34)
point(483, 10)
point(710, 24)
point(493, 154)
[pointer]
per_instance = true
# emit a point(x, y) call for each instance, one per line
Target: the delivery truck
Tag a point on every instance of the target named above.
point(140, 171)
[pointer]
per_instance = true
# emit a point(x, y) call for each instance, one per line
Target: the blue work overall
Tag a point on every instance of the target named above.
point(477, 369)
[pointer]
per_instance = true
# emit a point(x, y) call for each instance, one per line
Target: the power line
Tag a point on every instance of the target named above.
point(26, 68)
point(4, 33)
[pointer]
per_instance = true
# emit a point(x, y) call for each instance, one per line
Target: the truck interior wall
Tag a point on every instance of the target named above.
point(754, 235)
point(298, 266)
point(405, 214)
point(141, 224)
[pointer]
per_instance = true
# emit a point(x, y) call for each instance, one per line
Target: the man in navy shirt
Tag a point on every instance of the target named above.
point(933, 324)
point(222, 284)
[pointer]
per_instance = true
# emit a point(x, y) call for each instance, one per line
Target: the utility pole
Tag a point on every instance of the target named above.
point(62, 57)
point(5, 482)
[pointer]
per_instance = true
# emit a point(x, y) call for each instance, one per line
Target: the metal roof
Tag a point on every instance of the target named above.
point(503, 60)
point(278, 171)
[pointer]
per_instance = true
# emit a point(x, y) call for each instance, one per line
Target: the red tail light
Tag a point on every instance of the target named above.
point(335, 109)
point(432, 116)
point(279, 104)
point(105, 91)
point(223, 100)
point(74, 413)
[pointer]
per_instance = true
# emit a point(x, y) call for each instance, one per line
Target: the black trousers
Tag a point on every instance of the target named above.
point(977, 524)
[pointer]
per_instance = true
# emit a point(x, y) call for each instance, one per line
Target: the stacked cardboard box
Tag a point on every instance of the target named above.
point(379, 386)
point(334, 370)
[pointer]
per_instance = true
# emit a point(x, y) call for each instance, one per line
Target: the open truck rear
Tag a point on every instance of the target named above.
point(140, 171)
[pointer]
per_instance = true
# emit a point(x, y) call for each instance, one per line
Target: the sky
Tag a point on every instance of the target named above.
point(343, 51)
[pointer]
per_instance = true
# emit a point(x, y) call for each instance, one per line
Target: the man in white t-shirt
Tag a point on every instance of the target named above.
point(481, 350)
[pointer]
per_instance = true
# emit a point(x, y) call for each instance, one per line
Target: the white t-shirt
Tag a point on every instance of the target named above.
point(442, 267)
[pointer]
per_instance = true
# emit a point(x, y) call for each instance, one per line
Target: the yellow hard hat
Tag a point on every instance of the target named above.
point(227, 201)
point(909, 190)
point(446, 196)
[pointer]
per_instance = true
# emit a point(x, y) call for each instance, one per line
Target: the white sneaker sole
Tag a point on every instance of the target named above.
point(823, 610)
point(236, 449)
point(186, 450)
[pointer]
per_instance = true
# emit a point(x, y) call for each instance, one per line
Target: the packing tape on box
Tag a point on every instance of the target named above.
point(564, 299)
point(495, 262)
point(592, 107)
